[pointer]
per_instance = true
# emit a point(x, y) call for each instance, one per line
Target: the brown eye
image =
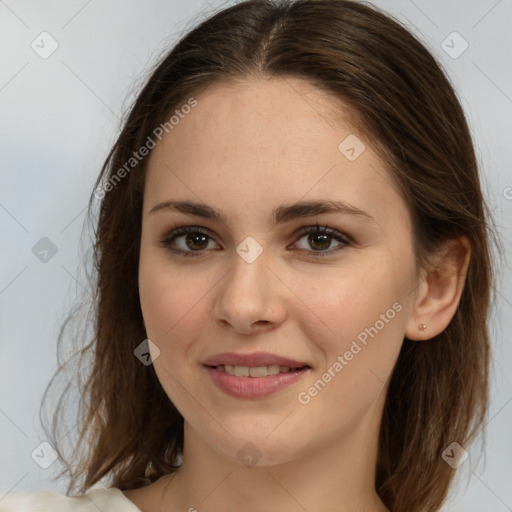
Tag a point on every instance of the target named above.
point(196, 240)
point(320, 239)
point(193, 240)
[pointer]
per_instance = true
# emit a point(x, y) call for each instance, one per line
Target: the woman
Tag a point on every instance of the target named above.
point(294, 276)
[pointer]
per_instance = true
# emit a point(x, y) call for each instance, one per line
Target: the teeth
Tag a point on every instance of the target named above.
point(255, 371)
point(263, 371)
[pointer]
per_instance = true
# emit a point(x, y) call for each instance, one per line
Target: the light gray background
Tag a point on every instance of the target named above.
point(59, 117)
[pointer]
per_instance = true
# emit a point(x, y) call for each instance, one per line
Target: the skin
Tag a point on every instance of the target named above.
point(315, 456)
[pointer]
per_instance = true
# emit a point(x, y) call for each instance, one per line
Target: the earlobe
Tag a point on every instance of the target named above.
point(440, 291)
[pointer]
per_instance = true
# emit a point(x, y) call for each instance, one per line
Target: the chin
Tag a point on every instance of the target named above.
point(256, 451)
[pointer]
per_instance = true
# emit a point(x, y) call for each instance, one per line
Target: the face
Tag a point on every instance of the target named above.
point(336, 299)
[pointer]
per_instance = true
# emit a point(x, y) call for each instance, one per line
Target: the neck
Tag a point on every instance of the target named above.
point(338, 477)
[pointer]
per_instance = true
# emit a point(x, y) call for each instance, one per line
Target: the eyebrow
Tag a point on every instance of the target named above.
point(281, 214)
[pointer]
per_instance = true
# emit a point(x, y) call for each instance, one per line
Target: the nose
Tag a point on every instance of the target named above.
point(251, 298)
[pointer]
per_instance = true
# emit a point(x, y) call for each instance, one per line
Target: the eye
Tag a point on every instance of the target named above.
point(194, 240)
point(320, 238)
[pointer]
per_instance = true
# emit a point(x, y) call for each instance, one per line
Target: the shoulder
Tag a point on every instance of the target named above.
point(111, 499)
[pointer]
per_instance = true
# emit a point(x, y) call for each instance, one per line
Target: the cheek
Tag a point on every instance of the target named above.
point(170, 300)
point(356, 320)
point(345, 302)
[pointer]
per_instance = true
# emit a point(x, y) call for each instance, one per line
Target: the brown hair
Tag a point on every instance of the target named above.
point(408, 111)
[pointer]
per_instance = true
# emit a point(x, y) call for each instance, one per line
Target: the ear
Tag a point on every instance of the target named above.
point(440, 290)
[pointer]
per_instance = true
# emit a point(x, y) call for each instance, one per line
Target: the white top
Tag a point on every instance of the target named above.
point(108, 500)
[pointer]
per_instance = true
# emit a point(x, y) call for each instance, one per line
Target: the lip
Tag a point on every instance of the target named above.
point(254, 387)
point(254, 359)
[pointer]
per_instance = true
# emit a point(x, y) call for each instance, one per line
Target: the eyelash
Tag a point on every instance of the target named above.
point(175, 233)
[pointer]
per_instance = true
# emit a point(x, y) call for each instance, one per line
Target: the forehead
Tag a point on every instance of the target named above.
point(280, 114)
point(266, 142)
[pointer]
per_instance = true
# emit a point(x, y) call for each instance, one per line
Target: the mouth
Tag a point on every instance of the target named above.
point(232, 362)
point(257, 371)
point(254, 382)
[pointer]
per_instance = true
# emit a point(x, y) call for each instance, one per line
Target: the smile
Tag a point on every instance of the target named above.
point(254, 382)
